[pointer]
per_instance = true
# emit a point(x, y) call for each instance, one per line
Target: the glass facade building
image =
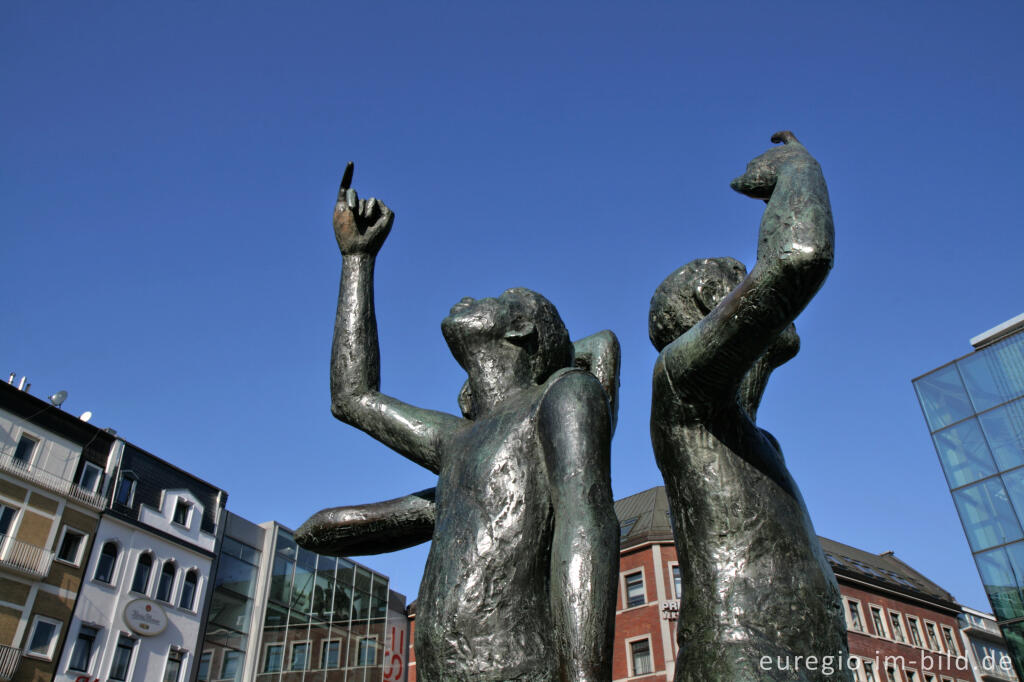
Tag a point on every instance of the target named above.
point(279, 613)
point(974, 408)
point(325, 618)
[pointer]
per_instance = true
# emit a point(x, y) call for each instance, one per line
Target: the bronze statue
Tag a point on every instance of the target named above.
point(759, 597)
point(520, 578)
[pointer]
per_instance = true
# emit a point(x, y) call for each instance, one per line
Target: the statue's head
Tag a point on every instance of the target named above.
point(519, 317)
point(690, 293)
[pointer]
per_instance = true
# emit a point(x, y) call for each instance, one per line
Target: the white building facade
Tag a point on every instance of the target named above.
point(141, 607)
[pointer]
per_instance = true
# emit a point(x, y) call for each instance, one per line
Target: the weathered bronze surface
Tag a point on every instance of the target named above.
point(520, 578)
point(758, 591)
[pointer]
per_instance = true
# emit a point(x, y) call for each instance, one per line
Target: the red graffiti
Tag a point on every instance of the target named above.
point(394, 659)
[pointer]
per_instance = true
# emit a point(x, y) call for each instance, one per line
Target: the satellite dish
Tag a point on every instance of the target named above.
point(58, 398)
point(86, 416)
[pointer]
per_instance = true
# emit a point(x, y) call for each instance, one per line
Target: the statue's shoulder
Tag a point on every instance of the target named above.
point(571, 383)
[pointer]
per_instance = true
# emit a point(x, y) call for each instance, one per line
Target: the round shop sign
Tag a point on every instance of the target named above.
point(145, 617)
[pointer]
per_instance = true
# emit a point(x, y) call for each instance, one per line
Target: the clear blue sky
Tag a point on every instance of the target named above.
point(168, 172)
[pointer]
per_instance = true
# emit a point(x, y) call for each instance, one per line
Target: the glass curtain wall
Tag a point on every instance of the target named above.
point(325, 619)
point(974, 408)
point(228, 621)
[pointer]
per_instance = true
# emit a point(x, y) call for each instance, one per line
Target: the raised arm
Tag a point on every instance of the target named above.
point(794, 255)
point(361, 226)
point(576, 434)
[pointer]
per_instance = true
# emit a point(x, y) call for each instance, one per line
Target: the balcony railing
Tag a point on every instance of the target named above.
point(25, 558)
point(9, 660)
point(51, 482)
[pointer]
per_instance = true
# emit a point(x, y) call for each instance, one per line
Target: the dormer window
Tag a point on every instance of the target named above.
point(125, 494)
point(182, 511)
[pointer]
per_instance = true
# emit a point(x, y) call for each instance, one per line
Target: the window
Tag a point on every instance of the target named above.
point(897, 627)
point(869, 672)
point(122, 663)
point(81, 654)
point(172, 673)
point(853, 609)
point(90, 478)
point(43, 638)
point(188, 590)
point(890, 674)
point(230, 669)
point(933, 639)
point(677, 581)
point(640, 655)
point(105, 564)
point(627, 526)
point(125, 494)
point(69, 550)
point(182, 510)
point(635, 590)
point(911, 675)
point(876, 620)
point(6, 518)
point(166, 584)
point(203, 675)
point(300, 656)
point(330, 656)
point(915, 631)
point(947, 635)
point(272, 659)
point(26, 446)
point(367, 651)
point(929, 678)
point(140, 583)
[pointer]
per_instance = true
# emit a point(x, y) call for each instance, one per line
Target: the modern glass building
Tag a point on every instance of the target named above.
point(974, 407)
point(279, 613)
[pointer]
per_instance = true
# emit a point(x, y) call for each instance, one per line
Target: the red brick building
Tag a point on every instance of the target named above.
point(902, 627)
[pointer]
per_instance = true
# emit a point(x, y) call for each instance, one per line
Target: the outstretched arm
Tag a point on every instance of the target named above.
point(370, 528)
point(361, 227)
point(794, 255)
point(576, 434)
